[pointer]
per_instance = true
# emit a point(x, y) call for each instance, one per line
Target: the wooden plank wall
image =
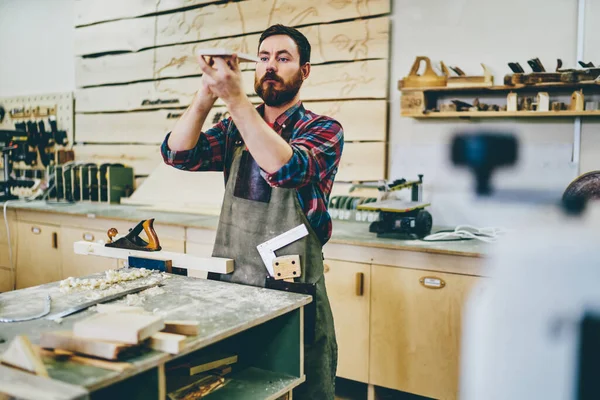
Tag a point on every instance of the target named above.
point(136, 71)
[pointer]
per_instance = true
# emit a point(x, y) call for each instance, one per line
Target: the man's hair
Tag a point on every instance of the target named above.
point(295, 34)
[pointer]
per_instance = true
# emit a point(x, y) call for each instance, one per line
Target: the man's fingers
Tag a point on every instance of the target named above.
point(207, 69)
point(234, 62)
point(221, 63)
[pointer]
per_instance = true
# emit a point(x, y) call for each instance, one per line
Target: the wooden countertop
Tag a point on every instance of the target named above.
point(344, 232)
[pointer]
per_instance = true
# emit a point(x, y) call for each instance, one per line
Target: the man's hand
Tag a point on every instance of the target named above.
point(223, 78)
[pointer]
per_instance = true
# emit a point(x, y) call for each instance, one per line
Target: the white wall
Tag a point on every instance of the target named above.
point(36, 47)
point(467, 33)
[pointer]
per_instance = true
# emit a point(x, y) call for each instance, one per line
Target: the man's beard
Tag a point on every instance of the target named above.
point(277, 97)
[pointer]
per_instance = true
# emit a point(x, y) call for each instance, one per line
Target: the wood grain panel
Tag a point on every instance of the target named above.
point(215, 21)
point(362, 162)
point(143, 158)
point(361, 79)
point(347, 41)
point(94, 11)
point(151, 126)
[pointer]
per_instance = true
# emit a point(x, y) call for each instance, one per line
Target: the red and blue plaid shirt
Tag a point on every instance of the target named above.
point(317, 142)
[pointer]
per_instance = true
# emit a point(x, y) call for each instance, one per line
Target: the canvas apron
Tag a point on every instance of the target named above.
point(254, 212)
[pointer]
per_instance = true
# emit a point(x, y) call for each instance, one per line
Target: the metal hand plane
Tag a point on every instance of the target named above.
point(133, 241)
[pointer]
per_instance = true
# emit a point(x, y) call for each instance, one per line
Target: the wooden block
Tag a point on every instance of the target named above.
point(286, 267)
point(117, 308)
point(189, 328)
point(543, 101)
point(413, 103)
point(21, 354)
point(198, 368)
point(180, 260)
point(222, 371)
point(125, 328)
point(167, 342)
point(148, 263)
point(511, 102)
point(65, 340)
point(577, 101)
point(16, 384)
point(202, 364)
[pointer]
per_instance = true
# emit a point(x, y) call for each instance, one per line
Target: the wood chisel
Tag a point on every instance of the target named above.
point(84, 306)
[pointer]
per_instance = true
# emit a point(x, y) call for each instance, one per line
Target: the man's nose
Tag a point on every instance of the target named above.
point(271, 65)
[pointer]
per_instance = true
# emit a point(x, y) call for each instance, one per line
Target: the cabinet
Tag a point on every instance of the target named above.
point(76, 265)
point(38, 254)
point(415, 330)
point(6, 276)
point(348, 289)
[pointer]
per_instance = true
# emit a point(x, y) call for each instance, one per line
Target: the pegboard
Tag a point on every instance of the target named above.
point(61, 102)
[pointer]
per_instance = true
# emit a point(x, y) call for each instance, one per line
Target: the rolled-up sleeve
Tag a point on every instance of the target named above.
point(207, 155)
point(316, 155)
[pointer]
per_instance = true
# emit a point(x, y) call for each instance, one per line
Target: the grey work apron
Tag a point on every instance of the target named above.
point(253, 213)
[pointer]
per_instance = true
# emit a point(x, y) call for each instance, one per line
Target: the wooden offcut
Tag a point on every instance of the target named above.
point(66, 340)
point(124, 328)
point(168, 342)
point(285, 267)
point(21, 354)
point(189, 328)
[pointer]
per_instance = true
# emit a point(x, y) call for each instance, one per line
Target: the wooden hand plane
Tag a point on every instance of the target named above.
point(133, 241)
point(462, 80)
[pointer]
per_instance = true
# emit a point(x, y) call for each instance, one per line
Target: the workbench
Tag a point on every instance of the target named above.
point(263, 327)
point(392, 331)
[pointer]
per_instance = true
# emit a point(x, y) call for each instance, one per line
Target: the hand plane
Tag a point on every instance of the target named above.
point(133, 241)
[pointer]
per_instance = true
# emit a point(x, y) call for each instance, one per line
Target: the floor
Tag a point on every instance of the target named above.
point(350, 390)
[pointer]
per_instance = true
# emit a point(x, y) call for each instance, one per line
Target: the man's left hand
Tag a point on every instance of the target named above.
point(224, 78)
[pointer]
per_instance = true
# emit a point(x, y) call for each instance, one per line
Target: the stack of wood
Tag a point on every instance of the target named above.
point(102, 340)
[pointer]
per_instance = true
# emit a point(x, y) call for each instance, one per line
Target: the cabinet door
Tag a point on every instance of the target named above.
point(416, 330)
point(38, 254)
point(77, 265)
point(4, 254)
point(348, 289)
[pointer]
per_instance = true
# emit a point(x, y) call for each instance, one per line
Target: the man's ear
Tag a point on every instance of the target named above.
point(305, 70)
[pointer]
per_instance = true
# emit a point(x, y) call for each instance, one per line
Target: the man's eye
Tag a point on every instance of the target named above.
point(283, 59)
point(264, 59)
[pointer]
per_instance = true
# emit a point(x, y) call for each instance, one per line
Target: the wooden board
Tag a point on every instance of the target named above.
point(94, 11)
point(354, 80)
point(152, 126)
point(65, 340)
point(346, 41)
point(217, 21)
point(21, 354)
point(362, 162)
point(125, 328)
point(23, 385)
point(212, 264)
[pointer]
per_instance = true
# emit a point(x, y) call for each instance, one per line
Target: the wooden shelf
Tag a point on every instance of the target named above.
point(594, 85)
point(505, 114)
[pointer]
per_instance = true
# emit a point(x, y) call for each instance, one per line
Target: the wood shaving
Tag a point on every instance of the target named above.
point(111, 277)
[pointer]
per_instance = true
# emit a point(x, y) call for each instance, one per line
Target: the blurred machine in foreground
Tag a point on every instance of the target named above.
point(531, 330)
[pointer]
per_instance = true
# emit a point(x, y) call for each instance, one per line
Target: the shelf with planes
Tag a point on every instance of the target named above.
point(421, 93)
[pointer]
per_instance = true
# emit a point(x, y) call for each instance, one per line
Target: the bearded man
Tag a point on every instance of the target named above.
point(279, 162)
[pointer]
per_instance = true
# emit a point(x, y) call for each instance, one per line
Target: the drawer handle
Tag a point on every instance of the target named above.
point(360, 283)
point(88, 237)
point(36, 230)
point(432, 282)
point(54, 240)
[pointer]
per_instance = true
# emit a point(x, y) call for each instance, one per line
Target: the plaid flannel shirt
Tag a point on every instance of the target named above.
point(317, 142)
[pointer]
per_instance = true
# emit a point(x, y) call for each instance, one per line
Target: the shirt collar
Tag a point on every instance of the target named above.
point(283, 119)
